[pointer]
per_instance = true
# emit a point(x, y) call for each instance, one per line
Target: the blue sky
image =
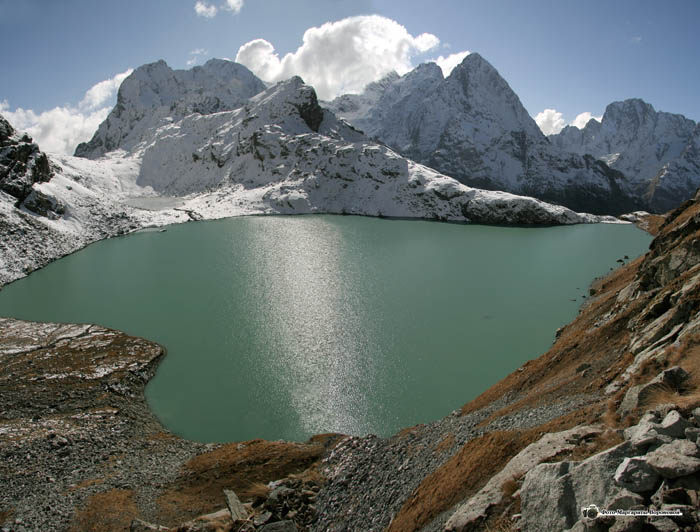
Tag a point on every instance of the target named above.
point(571, 56)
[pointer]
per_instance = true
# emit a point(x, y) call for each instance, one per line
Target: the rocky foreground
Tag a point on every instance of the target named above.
point(607, 417)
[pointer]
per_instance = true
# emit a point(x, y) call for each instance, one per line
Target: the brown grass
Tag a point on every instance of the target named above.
point(686, 356)
point(111, 511)
point(461, 476)
point(509, 487)
point(241, 467)
point(446, 443)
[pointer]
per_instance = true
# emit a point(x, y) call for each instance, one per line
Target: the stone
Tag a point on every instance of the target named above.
point(646, 433)
point(142, 526)
point(636, 395)
point(696, 415)
point(674, 425)
point(664, 524)
point(280, 526)
point(675, 459)
point(475, 509)
point(262, 518)
point(625, 501)
point(553, 494)
point(627, 524)
point(692, 433)
point(673, 377)
point(636, 475)
point(235, 506)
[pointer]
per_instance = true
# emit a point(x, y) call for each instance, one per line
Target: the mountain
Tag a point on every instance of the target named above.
point(473, 127)
point(213, 142)
point(155, 93)
point(656, 151)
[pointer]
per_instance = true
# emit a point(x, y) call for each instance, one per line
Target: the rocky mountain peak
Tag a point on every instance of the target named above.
point(154, 93)
point(21, 164)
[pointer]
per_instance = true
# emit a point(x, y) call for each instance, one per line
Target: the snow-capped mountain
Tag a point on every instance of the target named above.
point(655, 150)
point(154, 93)
point(171, 152)
point(473, 127)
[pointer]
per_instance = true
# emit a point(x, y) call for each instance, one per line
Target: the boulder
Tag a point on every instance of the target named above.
point(692, 433)
point(235, 506)
point(676, 459)
point(674, 425)
point(627, 524)
point(475, 509)
point(552, 495)
point(142, 526)
point(637, 395)
point(280, 526)
point(646, 433)
point(635, 474)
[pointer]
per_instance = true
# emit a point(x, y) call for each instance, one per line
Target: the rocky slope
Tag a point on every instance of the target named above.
point(633, 348)
point(473, 127)
point(657, 151)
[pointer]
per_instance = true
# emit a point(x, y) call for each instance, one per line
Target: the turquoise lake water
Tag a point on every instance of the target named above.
point(283, 327)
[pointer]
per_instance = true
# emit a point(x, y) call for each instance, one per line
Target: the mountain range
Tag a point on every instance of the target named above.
point(212, 142)
point(472, 126)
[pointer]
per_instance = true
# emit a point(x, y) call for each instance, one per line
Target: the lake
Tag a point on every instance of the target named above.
point(281, 327)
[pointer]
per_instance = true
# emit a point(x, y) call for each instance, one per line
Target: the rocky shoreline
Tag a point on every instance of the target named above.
point(79, 449)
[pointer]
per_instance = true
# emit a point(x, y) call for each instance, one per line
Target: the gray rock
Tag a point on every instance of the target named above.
point(674, 425)
point(627, 524)
point(280, 526)
point(696, 415)
point(692, 433)
point(636, 395)
point(235, 506)
point(664, 524)
point(263, 518)
point(673, 377)
point(646, 433)
point(552, 495)
point(625, 501)
point(675, 459)
point(636, 475)
point(142, 526)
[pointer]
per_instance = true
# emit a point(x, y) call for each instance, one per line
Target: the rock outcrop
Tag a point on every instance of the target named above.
point(155, 94)
point(473, 127)
point(657, 152)
point(22, 165)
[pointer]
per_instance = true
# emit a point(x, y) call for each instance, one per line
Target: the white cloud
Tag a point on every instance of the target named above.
point(196, 55)
point(103, 91)
point(340, 57)
point(205, 10)
point(62, 128)
point(448, 63)
point(234, 5)
point(637, 39)
point(582, 119)
point(550, 121)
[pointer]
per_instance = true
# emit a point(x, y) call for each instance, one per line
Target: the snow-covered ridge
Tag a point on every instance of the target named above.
point(278, 152)
point(155, 93)
point(657, 151)
point(473, 127)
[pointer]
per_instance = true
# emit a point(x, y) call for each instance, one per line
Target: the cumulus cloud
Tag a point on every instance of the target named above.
point(448, 63)
point(62, 128)
point(550, 121)
point(234, 5)
point(340, 57)
point(196, 55)
point(582, 119)
point(205, 10)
